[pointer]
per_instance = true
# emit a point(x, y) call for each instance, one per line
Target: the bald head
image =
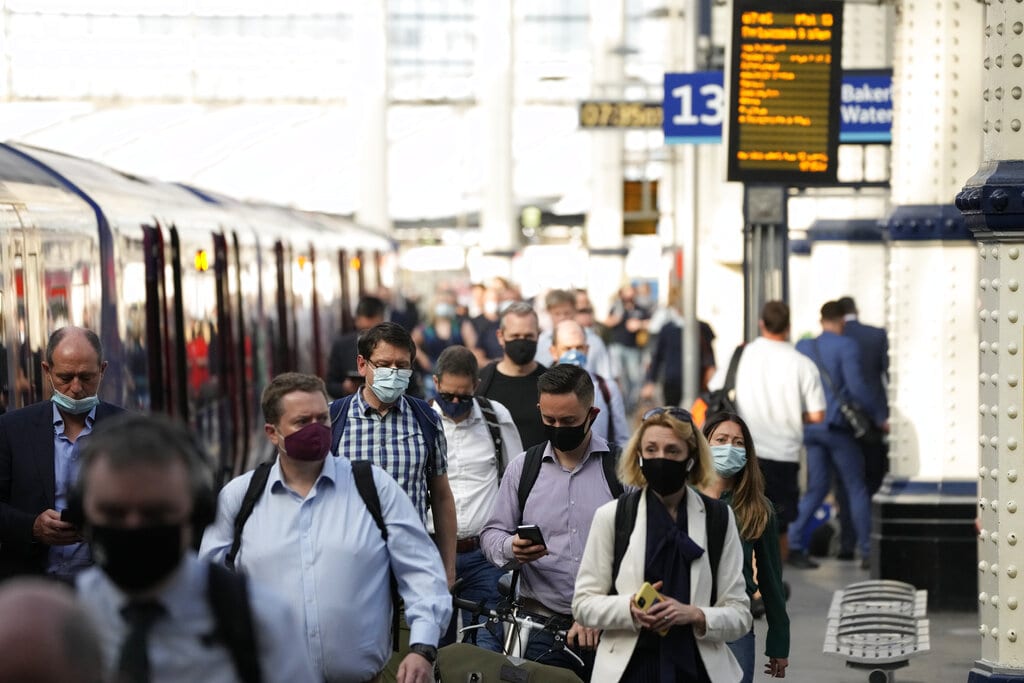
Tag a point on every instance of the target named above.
point(568, 335)
point(45, 636)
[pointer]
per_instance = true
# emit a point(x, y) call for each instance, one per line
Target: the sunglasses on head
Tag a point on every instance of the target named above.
point(446, 396)
point(671, 411)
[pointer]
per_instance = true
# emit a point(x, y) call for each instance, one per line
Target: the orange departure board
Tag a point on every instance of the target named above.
point(785, 75)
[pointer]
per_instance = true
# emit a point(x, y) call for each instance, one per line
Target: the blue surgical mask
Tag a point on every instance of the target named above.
point(454, 409)
point(573, 357)
point(75, 406)
point(444, 311)
point(728, 459)
point(390, 383)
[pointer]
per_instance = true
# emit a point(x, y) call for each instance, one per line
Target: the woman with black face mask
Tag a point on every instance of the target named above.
point(670, 599)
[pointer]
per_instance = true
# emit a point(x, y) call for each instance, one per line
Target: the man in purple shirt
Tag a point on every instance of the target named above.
point(570, 485)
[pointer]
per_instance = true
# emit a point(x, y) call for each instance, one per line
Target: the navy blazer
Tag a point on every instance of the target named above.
point(841, 357)
point(27, 483)
point(873, 343)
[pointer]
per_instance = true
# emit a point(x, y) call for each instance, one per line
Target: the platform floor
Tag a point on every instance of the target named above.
point(955, 643)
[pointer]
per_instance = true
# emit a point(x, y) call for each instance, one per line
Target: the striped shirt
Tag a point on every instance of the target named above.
point(393, 441)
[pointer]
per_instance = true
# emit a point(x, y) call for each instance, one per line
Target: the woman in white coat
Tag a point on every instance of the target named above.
point(667, 549)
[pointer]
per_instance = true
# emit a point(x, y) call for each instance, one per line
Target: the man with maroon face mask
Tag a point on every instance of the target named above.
point(312, 538)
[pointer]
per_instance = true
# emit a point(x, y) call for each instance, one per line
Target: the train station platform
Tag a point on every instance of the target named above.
point(955, 643)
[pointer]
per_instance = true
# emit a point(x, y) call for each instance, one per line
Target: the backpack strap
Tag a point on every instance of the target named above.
point(339, 416)
point(430, 424)
point(531, 468)
point(257, 484)
point(491, 418)
point(730, 375)
point(362, 472)
point(716, 522)
point(625, 519)
point(486, 378)
point(609, 463)
point(602, 384)
point(228, 596)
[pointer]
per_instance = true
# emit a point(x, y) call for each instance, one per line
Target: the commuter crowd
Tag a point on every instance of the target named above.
point(439, 456)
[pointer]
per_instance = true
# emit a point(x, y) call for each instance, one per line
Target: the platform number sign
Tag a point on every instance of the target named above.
point(694, 107)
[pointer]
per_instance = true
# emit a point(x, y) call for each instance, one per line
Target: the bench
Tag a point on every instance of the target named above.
point(877, 626)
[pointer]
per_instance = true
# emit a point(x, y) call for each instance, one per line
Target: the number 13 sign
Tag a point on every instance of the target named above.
point(694, 108)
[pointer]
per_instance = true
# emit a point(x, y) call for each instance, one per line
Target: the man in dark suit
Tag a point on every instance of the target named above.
point(873, 343)
point(830, 445)
point(39, 447)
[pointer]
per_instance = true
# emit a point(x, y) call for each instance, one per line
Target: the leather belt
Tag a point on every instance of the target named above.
point(466, 545)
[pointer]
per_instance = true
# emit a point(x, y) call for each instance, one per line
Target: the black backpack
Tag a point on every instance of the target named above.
point(724, 400)
point(716, 521)
point(228, 595)
point(531, 469)
point(362, 471)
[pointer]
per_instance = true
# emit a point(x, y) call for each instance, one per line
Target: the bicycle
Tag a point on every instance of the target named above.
point(519, 623)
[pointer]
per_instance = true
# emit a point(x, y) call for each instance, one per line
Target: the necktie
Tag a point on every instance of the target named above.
point(134, 662)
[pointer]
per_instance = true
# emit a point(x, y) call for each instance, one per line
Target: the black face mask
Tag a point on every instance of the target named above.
point(521, 351)
point(666, 476)
point(139, 558)
point(567, 438)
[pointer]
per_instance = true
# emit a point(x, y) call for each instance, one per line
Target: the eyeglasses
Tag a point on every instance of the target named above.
point(586, 311)
point(671, 411)
point(447, 396)
point(404, 373)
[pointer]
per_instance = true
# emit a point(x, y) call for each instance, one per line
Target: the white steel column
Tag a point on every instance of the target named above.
point(994, 208)
point(604, 220)
point(932, 338)
point(370, 99)
point(499, 224)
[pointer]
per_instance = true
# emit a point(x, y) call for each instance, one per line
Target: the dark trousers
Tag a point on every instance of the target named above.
point(541, 650)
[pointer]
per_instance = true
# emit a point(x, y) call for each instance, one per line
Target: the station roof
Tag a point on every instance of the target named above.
point(305, 155)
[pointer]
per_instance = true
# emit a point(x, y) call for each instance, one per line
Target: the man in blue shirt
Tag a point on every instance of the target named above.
point(39, 452)
point(312, 538)
point(146, 490)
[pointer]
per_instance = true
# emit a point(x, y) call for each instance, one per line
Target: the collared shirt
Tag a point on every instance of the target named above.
point(562, 503)
point(394, 442)
point(472, 465)
point(67, 560)
point(179, 643)
point(325, 555)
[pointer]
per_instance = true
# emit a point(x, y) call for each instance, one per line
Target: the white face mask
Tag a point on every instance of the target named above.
point(390, 383)
point(75, 406)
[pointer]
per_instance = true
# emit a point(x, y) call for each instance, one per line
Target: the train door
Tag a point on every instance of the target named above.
point(27, 308)
point(318, 331)
point(243, 353)
point(230, 413)
point(13, 385)
point(282, 348)
point(348, 321)
point(159, 360)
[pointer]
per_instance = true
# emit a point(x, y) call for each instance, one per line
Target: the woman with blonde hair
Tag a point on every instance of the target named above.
point(739, 483)
point(683, 635)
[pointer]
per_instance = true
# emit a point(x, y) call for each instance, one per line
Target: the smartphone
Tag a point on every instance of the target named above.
point(68, 515)
point(646, 597)
point(531, 532)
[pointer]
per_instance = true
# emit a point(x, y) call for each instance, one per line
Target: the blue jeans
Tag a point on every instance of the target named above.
point(828, 449)
point(479, 582)
point(744, 650)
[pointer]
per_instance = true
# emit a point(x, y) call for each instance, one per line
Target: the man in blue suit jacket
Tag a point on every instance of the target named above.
point(39, 447)
point(830, 445)
point(873, 343)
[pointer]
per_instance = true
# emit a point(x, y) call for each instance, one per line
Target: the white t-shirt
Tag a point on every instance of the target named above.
point(775, 386)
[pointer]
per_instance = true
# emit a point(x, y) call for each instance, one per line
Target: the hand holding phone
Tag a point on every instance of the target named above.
point(531, 532)
point(646, 598)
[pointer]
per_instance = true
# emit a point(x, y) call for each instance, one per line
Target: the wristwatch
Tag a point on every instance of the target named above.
point(428, 652)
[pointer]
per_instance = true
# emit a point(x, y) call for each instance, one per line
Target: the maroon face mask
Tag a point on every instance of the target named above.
point(312, 442)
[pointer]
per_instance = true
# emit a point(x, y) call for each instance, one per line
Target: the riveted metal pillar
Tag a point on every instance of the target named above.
point(923, 519)
point(993, 205)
